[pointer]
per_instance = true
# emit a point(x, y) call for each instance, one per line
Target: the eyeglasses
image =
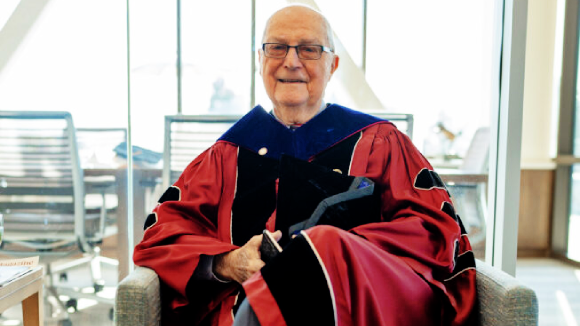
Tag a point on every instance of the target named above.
point(307, 52)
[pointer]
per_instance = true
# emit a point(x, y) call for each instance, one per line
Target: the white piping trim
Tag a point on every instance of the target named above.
point(179, 192)
point(463, 270)
point(235, 302)
point(156, 220)
point(235, 192)
point(231, 220)
point(434, 187)
point(453, 258)
point(457, 217)
point(353, 151)
point(463, 253)
point(325, 275)
point(443, 204)
point(178, 199)
point(455, 261)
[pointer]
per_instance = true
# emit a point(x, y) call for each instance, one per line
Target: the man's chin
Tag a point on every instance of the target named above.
point(291, 104)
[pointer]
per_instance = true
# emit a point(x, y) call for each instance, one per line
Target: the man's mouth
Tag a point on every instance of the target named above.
point(291, 81)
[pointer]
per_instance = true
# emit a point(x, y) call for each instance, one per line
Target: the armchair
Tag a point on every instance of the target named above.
point(502, 299)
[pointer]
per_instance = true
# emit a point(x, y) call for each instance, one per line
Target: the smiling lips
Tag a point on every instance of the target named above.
point(291, 81)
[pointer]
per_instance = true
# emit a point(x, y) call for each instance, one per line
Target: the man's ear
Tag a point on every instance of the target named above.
point(334, 64)
point(260, 58)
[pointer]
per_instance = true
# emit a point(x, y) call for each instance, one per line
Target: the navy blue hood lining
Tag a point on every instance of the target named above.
point(259, 129)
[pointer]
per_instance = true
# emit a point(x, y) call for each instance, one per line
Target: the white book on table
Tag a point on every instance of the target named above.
point(11, 269)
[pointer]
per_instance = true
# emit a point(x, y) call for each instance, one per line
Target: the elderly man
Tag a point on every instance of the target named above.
point(406, 263)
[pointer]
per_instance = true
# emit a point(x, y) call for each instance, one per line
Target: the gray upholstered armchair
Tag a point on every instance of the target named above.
point(503, 300)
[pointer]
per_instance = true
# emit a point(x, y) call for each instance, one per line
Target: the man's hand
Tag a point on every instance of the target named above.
point(240, 264)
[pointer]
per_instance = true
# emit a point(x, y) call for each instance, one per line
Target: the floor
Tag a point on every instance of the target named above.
point(557, 286)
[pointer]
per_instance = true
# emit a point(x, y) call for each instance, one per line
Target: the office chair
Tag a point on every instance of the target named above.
point(187, 136)
point(96, 150)
point(42, 200)
point(403, 121)
point(470, 198)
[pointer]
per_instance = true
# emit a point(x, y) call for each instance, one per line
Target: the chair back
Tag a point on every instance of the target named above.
point(187, 136)
point(41, 182)
point(403, 121)
point(477, 155)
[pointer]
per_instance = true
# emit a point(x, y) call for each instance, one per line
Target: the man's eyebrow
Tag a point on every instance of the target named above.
point(301, 41)
point(310, 41)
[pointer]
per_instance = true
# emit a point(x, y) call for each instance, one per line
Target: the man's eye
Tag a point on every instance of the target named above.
point(309, 49)
point(278, 47)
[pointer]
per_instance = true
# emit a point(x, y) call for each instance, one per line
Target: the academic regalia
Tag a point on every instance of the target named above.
point(408, 264)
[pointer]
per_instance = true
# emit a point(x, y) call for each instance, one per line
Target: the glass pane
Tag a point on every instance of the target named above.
point(63, 98)
point(153, 69)
point(574, 220)
point(349, 31)
point(419, 62)
point(574, 224)
point(264, 9)
point(154, 95)
point(216, 65)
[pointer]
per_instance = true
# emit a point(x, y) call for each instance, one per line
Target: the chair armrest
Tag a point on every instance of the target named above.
point(138, 301)
point(503, 300)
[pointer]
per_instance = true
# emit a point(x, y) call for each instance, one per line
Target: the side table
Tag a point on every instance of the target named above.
point(28, 290)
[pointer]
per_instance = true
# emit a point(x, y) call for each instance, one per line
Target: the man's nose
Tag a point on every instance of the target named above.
point(292, 60)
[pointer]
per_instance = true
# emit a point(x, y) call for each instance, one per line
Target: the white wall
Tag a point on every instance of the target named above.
point(538, 128)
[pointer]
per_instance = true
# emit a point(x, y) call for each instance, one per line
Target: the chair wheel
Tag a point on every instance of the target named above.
point(63, 277)
point(99, 286)
point(112, 313)
point(65, 322)
point(72, 303)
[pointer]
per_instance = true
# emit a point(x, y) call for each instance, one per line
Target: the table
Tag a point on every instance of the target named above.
point(28, 290)
point(458, 176)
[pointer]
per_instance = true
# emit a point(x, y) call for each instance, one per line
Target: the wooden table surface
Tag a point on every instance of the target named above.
point(28, 290)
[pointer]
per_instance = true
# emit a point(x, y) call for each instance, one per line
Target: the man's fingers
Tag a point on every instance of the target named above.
point(258, 265)
point(253, 265)
point(256, 238)
point(255, 241)
point(277, 235)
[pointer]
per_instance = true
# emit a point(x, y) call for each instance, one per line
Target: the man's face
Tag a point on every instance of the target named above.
point(292, 82)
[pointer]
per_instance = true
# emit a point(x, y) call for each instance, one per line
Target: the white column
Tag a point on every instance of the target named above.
point(505, 153)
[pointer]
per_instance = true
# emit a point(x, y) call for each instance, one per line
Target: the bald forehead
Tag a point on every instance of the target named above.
point(296, 17)
point(297, 11)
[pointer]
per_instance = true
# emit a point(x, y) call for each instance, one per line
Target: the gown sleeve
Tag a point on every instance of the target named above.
point(183, 227)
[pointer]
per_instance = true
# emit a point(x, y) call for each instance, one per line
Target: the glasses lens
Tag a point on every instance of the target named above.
point(309, 51)
point(276, 50)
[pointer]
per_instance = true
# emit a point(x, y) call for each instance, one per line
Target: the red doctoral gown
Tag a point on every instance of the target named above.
point(413, 266)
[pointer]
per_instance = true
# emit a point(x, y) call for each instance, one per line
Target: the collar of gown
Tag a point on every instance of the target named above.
point(261, 133)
